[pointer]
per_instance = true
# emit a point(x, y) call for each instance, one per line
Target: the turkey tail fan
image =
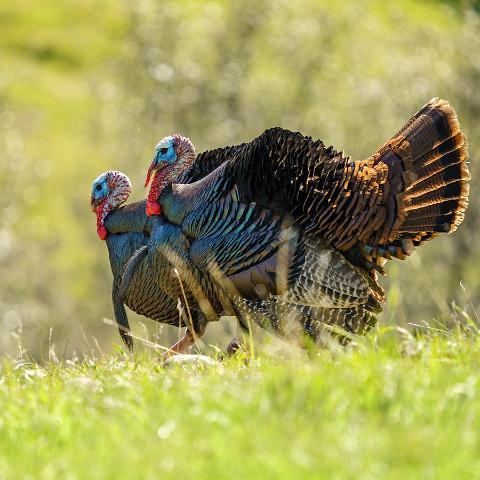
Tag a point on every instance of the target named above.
point(434, 152)
point(432, 189)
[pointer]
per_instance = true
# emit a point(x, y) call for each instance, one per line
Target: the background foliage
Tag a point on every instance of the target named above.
point(87, 86)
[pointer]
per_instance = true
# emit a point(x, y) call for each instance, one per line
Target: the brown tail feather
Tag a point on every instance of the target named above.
point(444, 193)
point(432, 224)
point(437, 153)
point(437, 210)
point(447, 169)
point(447, 176)
point(413, 188)
point(433, 151)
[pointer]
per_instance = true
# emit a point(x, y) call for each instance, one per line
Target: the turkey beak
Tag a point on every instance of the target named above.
point(151, 169)
point(94, 203)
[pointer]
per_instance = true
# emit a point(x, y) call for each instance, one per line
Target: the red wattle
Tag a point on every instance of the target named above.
point(153, 208)
point(102, 232)
point(158, 184)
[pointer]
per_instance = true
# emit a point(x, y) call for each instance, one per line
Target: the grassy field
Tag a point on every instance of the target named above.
point(408, 409)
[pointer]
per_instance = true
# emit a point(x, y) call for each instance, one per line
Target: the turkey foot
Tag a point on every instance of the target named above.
point(185, 342)
point(232, 348)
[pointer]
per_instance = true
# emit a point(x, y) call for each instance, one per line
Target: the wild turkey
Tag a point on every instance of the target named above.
point(413, 188)
point(250, 243)
point(126, 230)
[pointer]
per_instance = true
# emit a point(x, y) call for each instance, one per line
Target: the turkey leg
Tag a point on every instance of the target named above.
point(185, 342)
point(237, 342)
point(195, 330)
point(232, 348)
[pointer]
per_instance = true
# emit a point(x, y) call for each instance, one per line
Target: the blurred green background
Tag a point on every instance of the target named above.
point(87, 86)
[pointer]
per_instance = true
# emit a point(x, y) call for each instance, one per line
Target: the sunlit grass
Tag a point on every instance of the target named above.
point(394, 406)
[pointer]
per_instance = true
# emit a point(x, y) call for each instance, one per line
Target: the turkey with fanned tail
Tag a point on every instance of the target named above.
point(347, 217)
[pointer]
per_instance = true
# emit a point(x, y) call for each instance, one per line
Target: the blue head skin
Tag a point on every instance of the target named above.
point(165, 150)
point(172, 156)
point(100, 190)
point(164, 155)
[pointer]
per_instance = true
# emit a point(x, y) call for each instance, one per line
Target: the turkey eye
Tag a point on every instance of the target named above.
point(163, 150)
point(98, 187)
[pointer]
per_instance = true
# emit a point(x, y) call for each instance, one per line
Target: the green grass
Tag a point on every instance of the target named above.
point(409, 409)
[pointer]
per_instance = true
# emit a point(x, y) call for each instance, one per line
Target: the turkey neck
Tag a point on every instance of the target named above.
point(179, 199)
point(130, 218)
point(173, 207)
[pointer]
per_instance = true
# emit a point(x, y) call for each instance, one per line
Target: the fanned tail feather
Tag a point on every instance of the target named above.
point(433, 194)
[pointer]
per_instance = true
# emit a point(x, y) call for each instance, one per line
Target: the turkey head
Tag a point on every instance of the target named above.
point(172, 156)
point(109, 191)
